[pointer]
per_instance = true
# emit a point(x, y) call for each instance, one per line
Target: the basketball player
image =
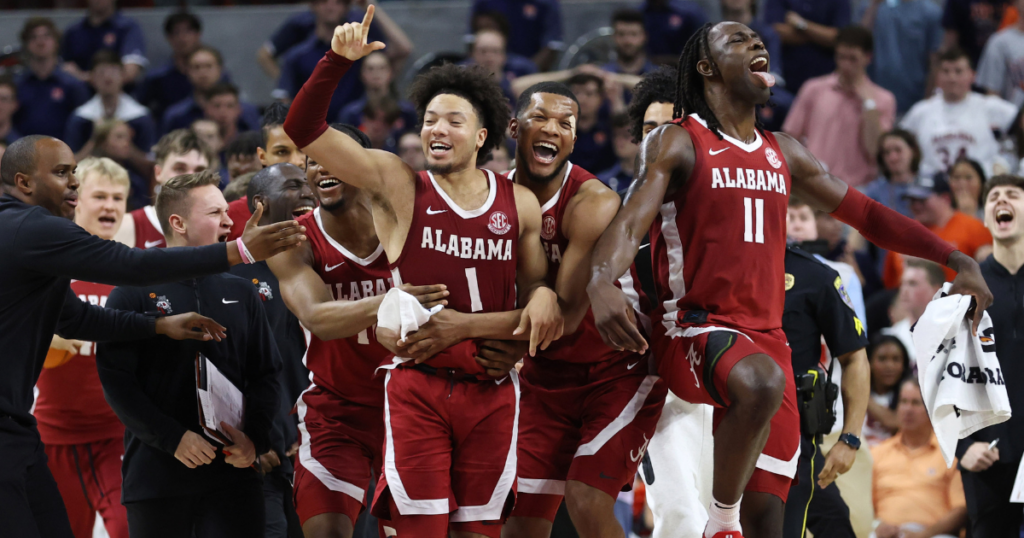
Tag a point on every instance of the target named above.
point(679, 477)
point(713, 190)
point(178, 152)
point(334, 285)
point(82, 435)
point(450, 428)
point(588, 411)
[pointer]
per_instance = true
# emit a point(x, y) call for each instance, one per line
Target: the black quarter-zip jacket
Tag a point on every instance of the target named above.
point(39, 255)
point(151, 384)
point(1007, 313)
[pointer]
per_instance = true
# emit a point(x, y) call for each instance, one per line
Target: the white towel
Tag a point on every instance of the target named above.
point(961, 382)
point(401, 312)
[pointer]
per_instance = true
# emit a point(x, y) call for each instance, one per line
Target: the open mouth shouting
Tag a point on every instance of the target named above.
point(759, 68)
point(439, 149)
point(302, 209)
point(545, 152)
point(222, 238)
point(107, 220)
point(1004, 218)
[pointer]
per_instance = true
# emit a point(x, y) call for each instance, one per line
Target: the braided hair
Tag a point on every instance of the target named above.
point(690, 83)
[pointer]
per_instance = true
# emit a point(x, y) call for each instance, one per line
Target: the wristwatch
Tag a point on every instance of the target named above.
point(850, 439)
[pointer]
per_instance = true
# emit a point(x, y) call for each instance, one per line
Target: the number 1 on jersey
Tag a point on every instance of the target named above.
point(474, 290)
point(753, 221)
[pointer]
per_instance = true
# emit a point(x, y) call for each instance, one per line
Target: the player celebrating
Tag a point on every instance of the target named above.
point(334, 285)
point(713, 190)
point(588, 410)
point(450, 428)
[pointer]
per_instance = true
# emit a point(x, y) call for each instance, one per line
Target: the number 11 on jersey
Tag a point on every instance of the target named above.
point(753, 220)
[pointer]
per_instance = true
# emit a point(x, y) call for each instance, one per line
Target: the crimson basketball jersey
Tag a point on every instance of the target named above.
point(70, 407)
point(473, 252)
point(585, 345)
point(148, 232)
point(346, 366)
point(719, 243)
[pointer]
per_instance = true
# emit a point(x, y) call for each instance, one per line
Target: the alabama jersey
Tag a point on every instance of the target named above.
point(345, 366)
point(719, 242)
point(584, 345)
point(148, 232)
point(475, 253)
point(70, 407)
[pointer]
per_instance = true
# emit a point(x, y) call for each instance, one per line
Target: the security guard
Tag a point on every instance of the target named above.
point(817, 306)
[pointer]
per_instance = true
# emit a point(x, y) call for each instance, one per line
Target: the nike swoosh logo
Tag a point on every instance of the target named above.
point(500, 381)
point(151, 244)
point(631, 366)
point(645, 245)
point(329, 268)
point(713, 152)
point(438, 212)
point(602, 475)
point(225, 301)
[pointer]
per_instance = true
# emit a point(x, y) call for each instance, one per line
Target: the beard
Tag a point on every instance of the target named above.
point(559, 170)
point(440, 169)
point(331, 208)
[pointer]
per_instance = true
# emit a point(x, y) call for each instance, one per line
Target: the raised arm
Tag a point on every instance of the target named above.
point(879, 224)
point(666, 158)
point(306, 124)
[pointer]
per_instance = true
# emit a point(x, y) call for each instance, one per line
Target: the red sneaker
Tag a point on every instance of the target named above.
point(728, 534)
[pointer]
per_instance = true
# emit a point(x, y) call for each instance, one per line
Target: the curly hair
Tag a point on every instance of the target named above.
point(690, 83)
point(474, 84)
point(656, 87)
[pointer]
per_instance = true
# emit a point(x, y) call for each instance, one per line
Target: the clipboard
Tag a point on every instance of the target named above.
point(218, 399)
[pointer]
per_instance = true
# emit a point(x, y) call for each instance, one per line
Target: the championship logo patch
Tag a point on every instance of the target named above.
point(547, 229)
point(790, 280)
point(842, 292)
point(163, 304)
point(773, 158)
point(498, 223)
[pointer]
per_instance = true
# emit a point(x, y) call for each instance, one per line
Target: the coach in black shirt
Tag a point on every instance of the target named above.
point(817, 307)
point(41, 250)
point(176, 482)
point(988, 474)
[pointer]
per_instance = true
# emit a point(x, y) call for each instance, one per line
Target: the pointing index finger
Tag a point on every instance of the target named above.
point(366, 21)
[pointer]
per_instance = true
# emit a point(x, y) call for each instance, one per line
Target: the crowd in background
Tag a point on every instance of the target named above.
point(915, 102)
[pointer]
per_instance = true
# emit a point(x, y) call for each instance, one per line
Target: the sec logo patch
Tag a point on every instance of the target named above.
point(773, 158)
point(498, 223)
point(547, 230)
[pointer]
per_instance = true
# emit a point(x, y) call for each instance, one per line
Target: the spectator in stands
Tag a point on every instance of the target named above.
point(913, 492)
point(297, 64)
point(240, 154)
point(222, 105)
point(840, 116)
point(168, 84)
point(488, 49)
point(295, 29)
point(410, 150)
point(593, 149)
point(382, 121)
point(103, 28)
point(808, 31)
point(110, 102)
point(890, 365)
point(669, 24)
point(113, 139)
point(209, 133)
point(537, 24)
point(378, 81)
point(1001, 69)
point(498, 160)
point(907, 33)
point(898, 160)
point(970, 23)
point(931, 202)
point(205, 69)
point(1013, 146)
point(619, 176)
point(918, 284)
point(177, 153)
point(8, 106)
point(630, 37)
point(958, 122)
point(966, 181)
point(47, 95)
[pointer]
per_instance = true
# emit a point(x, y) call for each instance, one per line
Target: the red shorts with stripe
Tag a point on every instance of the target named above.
point(450, 447)
point(585, 422)
point(88, 476)
point(695, 360)
point(340, 450)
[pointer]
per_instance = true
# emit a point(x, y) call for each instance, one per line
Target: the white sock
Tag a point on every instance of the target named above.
point(723, 517)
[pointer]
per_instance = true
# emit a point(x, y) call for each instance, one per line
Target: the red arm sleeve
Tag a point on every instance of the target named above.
point(307, 117)
point(890, 230)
